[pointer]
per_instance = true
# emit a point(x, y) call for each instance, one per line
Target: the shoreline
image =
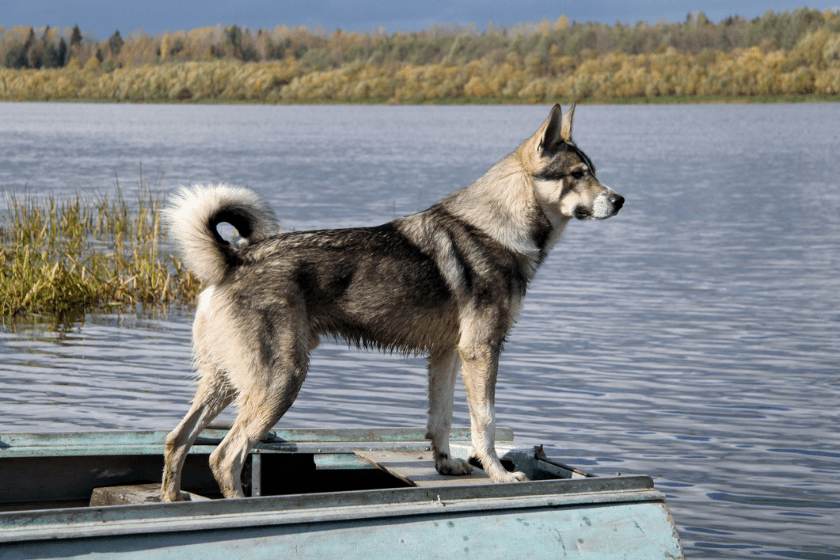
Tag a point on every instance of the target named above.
point(660, 100)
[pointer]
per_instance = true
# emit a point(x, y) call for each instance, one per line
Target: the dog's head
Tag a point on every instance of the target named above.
point(563, 176)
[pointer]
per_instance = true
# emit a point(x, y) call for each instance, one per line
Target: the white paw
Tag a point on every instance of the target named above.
point(505, 476)
point(453, 466)
point(179, 497)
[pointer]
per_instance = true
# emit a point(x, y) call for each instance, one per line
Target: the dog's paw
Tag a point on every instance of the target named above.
point(180, 497)
point(505, 476)
point(453, 466)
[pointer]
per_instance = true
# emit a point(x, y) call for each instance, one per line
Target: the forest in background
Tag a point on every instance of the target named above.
point(777, 54)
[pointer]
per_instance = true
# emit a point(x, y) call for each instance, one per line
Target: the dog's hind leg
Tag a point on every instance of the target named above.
point(480, 369)
point(211, 397)
point(443, 369)
point(262, 401)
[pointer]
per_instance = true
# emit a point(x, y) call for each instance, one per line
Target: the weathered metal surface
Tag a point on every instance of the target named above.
point(418, 468)
point(551, 465)
point(256, 475)
point(632, 531)
point(324, 507)
point(342, 461)
point(297, 441)
point(610, 517)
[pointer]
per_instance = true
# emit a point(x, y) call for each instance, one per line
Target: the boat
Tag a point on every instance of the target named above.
point(349, 493)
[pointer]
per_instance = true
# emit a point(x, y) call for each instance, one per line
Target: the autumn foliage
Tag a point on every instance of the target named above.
point(778, 54)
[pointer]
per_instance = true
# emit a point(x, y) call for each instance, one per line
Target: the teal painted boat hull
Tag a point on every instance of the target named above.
point(565, 515)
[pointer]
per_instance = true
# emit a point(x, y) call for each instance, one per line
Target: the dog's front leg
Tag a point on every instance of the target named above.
point(480, 369)
point(443, 369)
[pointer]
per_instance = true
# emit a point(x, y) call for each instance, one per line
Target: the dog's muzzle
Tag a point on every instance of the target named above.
point(605, 205)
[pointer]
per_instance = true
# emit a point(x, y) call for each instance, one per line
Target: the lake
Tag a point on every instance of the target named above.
point(695, 337)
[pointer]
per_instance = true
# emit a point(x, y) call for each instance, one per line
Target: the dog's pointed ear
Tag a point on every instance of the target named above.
point(566, 127)
point(552, 135)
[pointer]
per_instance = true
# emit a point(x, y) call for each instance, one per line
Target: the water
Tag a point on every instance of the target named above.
point(693, 338)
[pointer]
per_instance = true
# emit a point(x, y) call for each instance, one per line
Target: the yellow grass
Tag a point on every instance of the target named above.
point(65, 257)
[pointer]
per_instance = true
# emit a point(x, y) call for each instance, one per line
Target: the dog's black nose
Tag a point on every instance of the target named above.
point(617, 201)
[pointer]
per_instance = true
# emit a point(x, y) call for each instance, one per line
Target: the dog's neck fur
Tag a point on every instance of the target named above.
point(503, 205)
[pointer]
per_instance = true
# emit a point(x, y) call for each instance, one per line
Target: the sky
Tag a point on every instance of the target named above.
point(102, 17)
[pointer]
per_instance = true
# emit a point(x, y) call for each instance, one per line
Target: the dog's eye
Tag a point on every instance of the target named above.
point(577, 174)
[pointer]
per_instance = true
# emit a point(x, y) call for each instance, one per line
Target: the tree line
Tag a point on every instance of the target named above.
point(26, 47)
point(794, 52)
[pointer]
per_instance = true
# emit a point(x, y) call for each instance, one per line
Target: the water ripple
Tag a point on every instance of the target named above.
point(693, 338)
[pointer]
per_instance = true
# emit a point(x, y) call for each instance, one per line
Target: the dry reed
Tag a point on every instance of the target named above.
point(65, 257)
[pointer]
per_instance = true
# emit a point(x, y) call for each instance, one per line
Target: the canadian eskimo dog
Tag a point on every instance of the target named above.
point(447, 282)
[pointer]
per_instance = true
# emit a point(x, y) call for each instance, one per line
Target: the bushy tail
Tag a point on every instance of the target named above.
point(194, 214)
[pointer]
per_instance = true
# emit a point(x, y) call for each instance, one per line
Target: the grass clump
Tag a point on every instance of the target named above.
point(65, 257)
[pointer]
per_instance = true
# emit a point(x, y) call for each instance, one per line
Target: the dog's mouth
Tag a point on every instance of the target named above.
point(582, 213)
point(603, 208)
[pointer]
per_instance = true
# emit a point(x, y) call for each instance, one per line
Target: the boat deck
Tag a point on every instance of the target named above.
point(63, 469)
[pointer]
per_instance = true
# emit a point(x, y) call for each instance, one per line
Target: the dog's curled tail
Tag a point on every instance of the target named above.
point(193, 215)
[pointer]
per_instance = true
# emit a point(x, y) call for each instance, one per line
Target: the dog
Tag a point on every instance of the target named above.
point(447, 282)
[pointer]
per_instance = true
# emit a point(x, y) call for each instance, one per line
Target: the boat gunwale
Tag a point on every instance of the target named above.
point(294, 435)
point(84, 522)
point(315, 441)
